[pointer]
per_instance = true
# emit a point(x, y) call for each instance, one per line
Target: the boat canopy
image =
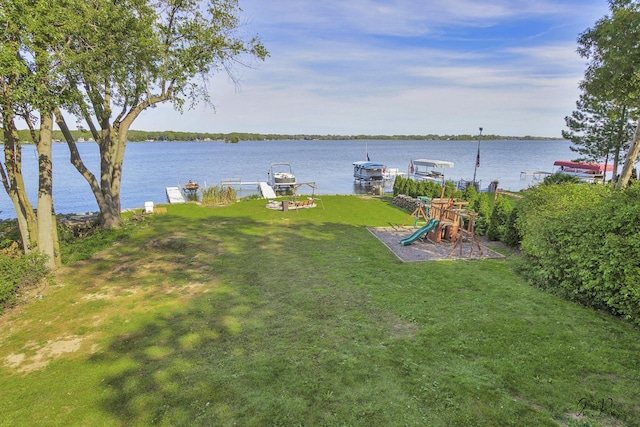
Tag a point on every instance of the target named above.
point(432, 163)
point(370, 165)
point(596, 167)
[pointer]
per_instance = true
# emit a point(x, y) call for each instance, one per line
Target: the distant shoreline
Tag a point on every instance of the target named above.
point(235, 137)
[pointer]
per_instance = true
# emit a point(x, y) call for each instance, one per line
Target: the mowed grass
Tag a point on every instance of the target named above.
point(244, 316)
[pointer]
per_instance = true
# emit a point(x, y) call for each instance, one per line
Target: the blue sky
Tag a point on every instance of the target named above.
point(400, 67)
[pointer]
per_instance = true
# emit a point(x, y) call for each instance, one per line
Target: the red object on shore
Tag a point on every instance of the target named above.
point(584, 166)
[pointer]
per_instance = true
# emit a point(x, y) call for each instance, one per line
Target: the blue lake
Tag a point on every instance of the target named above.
point(151, 167)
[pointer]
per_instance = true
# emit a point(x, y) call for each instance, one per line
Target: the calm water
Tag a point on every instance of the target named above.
point(150, 167)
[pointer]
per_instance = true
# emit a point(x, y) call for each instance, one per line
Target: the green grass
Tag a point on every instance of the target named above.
point(241, 315)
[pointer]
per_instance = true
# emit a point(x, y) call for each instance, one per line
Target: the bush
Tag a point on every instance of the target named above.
point(561, 178)
point(512, 235)
point(397, 185)
point(499, 217)
point(470, 194)
point(18, 271)
point(481, 206)
point(9, 233)
point(411, 188)
point(580, 241)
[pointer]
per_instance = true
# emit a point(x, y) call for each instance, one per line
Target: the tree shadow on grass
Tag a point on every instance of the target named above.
point(267, 339)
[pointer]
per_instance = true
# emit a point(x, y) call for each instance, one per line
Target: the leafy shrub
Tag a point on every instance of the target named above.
point(470, 194)
point(411, 188)
point(18, 271)
point(512, 235)
point(9, 233)
point(481, 206)
point(398, 185)
point(498, 220)
point(580, 241)
point(560, 178)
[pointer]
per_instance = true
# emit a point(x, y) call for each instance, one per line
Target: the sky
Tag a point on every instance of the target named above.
point(399, 67)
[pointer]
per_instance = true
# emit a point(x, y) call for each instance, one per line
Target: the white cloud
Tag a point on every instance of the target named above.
point(402, 67)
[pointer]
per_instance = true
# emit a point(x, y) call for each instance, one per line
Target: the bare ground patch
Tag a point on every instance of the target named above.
point(36, 356)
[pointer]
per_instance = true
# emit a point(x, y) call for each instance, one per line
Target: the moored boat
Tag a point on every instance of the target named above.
point(585, 171)
point(280, 176)
point(368, 172)
point(428, 169)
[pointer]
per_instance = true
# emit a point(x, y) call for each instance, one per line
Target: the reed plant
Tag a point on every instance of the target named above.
point(218, 195)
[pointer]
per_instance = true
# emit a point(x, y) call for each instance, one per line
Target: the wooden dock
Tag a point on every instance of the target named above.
point(174, 195)
point(266, 190)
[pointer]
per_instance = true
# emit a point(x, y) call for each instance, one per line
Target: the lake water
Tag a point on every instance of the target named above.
point(151, 167)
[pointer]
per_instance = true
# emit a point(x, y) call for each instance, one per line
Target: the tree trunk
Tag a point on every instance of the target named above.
point(14, 184)
point(105, 191)
point(629, 163)
point(46, 225)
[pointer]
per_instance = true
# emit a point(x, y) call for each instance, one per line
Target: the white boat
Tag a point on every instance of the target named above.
point(428, 169)
point(368, 172)
point(585, 171)
point(280, 176)
point(390, 174)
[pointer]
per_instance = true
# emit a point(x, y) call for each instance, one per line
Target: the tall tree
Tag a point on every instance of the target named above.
point(612, 73)
point(599, 129)
point(28, 66)
point(131, 55)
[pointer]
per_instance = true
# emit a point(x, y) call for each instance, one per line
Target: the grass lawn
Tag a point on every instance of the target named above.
point(244, 316)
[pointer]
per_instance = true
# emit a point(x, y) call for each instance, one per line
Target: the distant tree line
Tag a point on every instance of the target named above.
point(234, 137)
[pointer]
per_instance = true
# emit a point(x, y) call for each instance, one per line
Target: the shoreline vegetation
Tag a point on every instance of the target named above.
point(235, 137)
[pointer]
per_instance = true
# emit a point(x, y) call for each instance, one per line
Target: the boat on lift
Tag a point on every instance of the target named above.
point(428, 170)
point(586, 171)
point(368, 172)
point(280, 176)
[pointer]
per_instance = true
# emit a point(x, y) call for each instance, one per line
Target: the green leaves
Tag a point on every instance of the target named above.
point(580, 241)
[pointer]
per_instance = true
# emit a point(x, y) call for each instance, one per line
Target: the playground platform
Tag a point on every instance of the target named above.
point(427, 251)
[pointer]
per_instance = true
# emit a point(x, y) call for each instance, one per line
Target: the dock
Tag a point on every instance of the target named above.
point(266, 190)
point(535, 174)
point(174, 195)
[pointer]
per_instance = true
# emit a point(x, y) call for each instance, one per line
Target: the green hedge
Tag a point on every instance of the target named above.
point(581, 241)
point(411, 188)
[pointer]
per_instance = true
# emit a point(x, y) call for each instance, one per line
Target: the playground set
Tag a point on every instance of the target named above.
point(446, 219)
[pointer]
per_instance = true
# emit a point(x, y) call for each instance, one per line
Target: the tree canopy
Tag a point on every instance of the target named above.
point(115, 59)
point(103, 62)
point(612, 46)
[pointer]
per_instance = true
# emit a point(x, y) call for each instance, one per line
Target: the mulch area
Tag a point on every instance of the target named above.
point(424, 250)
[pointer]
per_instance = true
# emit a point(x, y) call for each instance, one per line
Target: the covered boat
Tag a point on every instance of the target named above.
point(586, 171)
point(428, 169)
point(368, 172)
point(280, 176)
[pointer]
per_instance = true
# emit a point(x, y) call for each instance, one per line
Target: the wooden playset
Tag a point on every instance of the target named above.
point(452, 218)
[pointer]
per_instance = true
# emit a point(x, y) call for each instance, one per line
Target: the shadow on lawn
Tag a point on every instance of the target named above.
point(235, 349)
